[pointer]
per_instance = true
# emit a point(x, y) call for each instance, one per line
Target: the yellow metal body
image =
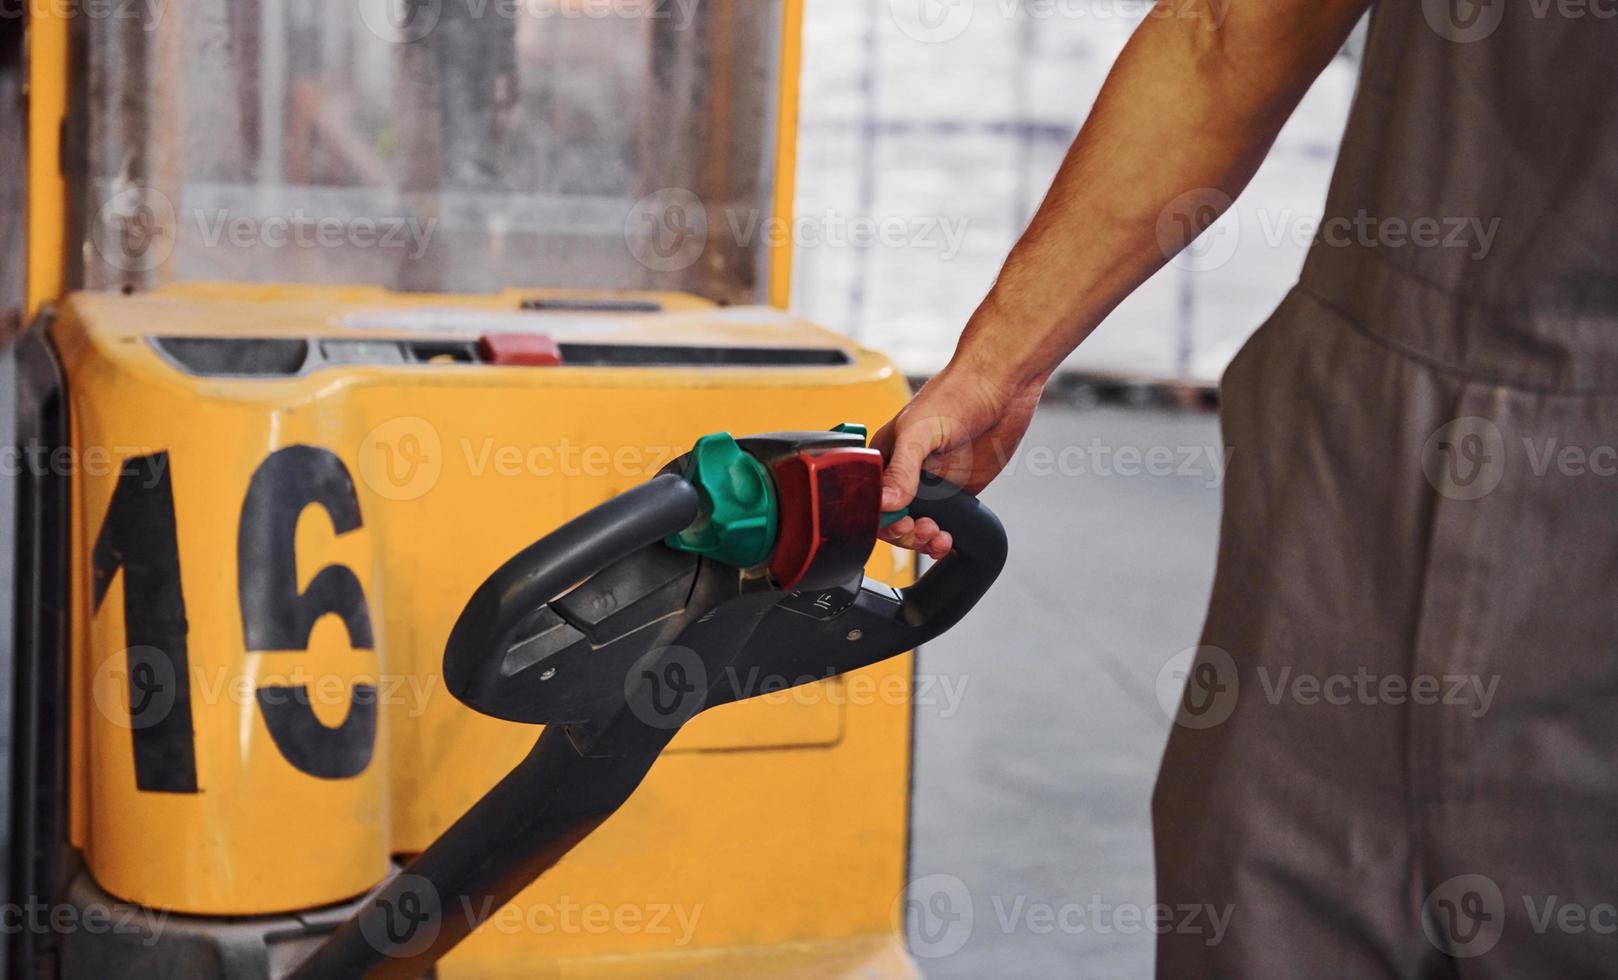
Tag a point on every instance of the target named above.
point(778, 823)
point(770, 839)
point(47, 53)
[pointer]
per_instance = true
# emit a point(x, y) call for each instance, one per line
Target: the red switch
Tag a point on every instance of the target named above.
point(831, 505)
point(520, 350)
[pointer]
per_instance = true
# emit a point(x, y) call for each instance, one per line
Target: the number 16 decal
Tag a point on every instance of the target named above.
point(138, 536)
point(277, 618)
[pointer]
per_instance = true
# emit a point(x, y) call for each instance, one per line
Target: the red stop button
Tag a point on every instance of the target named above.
point(831, 504)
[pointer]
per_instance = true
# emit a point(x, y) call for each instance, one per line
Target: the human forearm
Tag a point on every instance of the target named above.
point(1193, 103)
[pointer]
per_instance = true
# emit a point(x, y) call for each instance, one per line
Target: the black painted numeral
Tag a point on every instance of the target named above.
point(277, 618)
point(139, 536)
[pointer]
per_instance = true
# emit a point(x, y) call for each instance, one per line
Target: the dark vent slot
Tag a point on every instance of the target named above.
point(643, 355)
point(460, 352)
point(236, 357)
point(587, 305)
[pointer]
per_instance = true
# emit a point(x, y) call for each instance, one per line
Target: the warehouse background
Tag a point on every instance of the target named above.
point(929, 116)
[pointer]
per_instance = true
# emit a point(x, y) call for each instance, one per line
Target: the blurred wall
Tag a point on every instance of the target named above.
point(930, 130)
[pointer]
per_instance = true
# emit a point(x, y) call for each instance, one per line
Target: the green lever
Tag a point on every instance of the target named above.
point(739, 512)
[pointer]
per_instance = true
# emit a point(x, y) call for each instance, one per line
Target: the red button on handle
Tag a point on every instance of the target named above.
point(831, 502)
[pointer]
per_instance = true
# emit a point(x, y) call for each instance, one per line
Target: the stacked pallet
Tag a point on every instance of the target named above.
point(935, 125)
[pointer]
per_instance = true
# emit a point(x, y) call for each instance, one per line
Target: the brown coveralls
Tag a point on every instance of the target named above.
point(1397, 755)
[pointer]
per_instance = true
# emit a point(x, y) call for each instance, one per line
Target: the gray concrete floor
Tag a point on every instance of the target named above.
point(1032, 838)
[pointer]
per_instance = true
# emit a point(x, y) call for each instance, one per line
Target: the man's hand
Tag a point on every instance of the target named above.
point(964, 426)
point(1187, 114)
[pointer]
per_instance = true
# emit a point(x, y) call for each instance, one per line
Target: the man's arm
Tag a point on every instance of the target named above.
point(1192, 105)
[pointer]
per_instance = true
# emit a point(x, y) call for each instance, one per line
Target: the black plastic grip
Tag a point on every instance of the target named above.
point(949, 590)
point(477, 646)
